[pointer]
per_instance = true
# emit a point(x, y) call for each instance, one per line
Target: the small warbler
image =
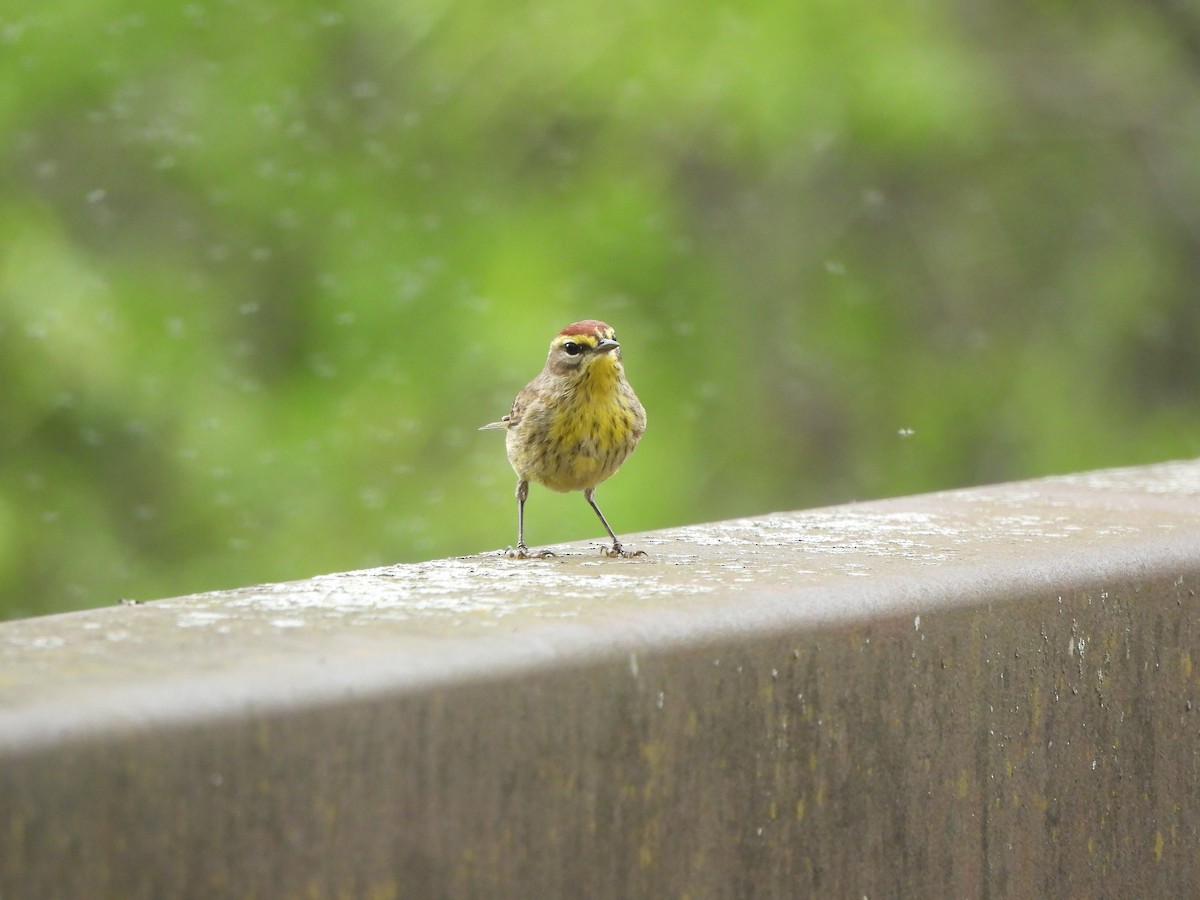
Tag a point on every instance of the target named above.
point(574, 424)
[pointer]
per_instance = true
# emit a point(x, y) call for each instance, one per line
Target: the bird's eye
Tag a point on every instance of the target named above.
point(572, 348)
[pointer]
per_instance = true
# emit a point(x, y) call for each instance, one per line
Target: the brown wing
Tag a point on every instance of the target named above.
point(513, 419)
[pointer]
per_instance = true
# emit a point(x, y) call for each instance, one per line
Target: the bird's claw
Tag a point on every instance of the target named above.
point(616, 550)
point(523, 552)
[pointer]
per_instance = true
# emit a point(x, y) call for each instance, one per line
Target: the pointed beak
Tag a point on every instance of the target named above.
point(606, 346)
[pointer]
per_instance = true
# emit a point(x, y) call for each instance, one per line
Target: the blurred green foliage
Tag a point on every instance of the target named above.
point(265, 265)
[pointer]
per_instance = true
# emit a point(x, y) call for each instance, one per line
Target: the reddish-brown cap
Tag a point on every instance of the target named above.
point(593, 328)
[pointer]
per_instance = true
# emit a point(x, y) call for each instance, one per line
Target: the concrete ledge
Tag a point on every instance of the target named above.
point(988, 692)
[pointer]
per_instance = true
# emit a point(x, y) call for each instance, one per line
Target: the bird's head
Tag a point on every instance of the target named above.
point(584, 346)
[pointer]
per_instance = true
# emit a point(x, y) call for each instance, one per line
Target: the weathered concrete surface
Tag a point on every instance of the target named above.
point(984, 693)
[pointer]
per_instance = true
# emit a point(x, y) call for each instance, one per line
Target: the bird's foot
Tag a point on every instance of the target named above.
point(523, 552)
point(616, 550)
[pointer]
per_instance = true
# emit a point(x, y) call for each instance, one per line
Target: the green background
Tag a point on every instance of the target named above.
point(266, 266)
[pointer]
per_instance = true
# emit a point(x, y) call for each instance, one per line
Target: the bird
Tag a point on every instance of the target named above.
point(573, 425)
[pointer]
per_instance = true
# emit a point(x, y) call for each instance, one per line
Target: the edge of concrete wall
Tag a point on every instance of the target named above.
point(987, 692)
